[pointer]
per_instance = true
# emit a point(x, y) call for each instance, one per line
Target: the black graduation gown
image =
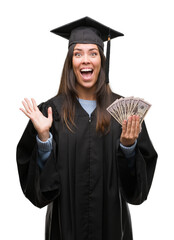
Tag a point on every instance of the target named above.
point(86, 181)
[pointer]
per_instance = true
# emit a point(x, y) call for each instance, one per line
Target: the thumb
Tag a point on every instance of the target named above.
point(50, 113)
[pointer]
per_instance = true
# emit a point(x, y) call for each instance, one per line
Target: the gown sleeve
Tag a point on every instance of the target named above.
point(135, 182)
point(40, 186)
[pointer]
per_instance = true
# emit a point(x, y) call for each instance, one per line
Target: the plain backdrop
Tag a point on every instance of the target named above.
point(141, 65)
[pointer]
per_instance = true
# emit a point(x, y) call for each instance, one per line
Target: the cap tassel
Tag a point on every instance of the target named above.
point(107, 59)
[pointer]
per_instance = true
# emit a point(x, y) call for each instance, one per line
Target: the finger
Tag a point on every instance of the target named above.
point(133, 126)
point(137, 128)
point(129, 124)
point(26, 107)
point(50, 115)
point(34, 104)
point(124, 127)
point(25, 112)
point(29, 104)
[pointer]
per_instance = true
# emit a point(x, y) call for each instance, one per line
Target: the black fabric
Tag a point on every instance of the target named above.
point(86, 181)
point(86, 35)
point(86, 30)
point(107, 61)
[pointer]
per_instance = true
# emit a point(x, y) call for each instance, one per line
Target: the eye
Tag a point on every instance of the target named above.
point(77, 54)
point(93, 54)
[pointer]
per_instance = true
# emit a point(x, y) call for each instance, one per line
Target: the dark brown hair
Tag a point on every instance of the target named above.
point(68, 89)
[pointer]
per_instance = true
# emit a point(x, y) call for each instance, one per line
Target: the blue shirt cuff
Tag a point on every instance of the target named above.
point(128, 151)
point(45, 146)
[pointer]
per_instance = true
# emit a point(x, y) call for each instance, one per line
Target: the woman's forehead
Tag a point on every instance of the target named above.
point(88, 46)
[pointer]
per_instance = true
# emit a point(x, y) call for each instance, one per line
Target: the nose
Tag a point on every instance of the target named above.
point(86, 59)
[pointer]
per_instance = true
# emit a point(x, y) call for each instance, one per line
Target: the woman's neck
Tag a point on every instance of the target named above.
point(86, 94)
point(86, 97)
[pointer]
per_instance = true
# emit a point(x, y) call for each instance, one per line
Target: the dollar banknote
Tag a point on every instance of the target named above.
point(121, 109)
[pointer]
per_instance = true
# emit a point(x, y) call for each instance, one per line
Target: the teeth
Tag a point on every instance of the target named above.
point(86, 70)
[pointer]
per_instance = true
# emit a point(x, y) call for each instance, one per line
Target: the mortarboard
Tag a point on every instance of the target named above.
point(87, 30)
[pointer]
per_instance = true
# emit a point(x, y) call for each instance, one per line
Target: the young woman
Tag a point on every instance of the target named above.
point(78, 160)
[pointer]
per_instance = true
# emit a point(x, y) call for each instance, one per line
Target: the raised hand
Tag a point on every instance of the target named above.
point(130, 130)
point(41, 123)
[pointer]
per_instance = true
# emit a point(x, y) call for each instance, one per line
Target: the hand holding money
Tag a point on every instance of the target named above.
point(130, 130)
point(129, 112)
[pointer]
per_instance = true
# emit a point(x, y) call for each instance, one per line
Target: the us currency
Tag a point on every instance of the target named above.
point(141, 109)
point(121, 109)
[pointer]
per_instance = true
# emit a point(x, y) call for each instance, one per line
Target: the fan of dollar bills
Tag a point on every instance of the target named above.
point(122, 108)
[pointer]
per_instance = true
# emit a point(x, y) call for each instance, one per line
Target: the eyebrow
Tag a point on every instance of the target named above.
point(91, 49)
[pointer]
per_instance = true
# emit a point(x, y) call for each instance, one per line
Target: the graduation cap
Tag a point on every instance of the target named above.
point(88, 31)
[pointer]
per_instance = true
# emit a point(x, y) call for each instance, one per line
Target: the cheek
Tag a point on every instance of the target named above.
point(98, 67)
point(75, 65)
point(97, 63)
point(75, 70)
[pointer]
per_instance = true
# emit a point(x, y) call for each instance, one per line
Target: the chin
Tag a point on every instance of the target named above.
point(88, 85)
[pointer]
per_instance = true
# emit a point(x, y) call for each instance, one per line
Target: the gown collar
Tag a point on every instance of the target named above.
point(80, 111)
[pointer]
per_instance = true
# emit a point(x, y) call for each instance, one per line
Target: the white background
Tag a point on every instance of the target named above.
point(31, 60)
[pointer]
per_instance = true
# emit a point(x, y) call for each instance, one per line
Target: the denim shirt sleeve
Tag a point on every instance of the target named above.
point(44, 150)
point(129, 153)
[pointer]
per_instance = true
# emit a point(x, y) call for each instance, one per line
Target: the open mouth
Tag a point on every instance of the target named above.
point(86, 72)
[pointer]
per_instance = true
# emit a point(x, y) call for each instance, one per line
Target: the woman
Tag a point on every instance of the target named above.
point(78, 160)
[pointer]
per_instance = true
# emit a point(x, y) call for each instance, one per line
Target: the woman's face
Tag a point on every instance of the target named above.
point(86, 65)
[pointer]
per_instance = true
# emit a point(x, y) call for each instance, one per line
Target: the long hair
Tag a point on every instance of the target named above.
point(68, 89)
